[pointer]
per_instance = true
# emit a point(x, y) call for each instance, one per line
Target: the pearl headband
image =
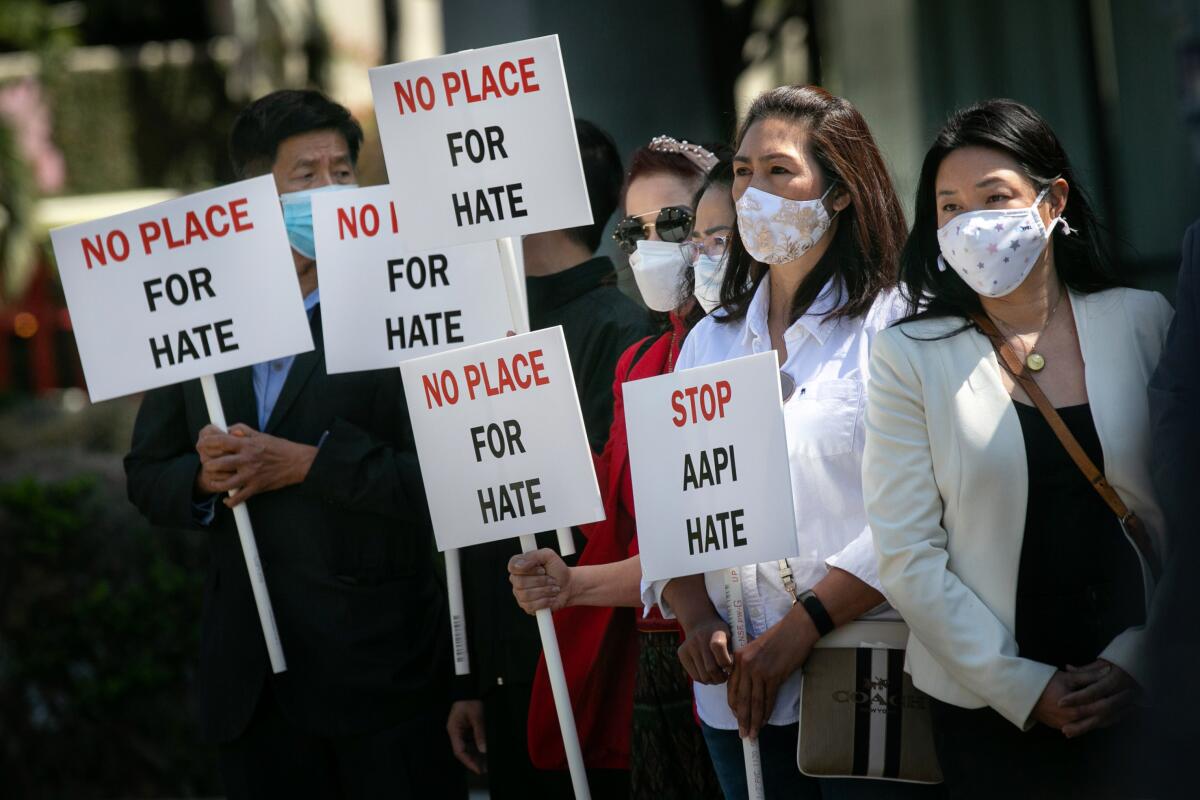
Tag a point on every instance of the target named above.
point(694, 153)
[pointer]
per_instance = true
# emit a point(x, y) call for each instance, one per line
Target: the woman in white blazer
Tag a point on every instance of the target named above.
point(1023, 595)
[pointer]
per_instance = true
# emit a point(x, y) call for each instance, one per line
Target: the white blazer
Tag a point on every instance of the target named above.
point(946, 486)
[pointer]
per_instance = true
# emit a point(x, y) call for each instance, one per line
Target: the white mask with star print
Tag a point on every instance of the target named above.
point(994, 250)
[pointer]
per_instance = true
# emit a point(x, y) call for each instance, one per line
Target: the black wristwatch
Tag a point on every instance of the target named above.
point(816, 610)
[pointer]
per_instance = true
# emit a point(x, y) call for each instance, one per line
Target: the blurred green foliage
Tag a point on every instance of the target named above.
point(99, 621)
point(138, 126)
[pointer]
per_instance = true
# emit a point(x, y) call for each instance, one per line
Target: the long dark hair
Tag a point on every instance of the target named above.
point(865, 250)
point(720, 177)
point(1081, 258)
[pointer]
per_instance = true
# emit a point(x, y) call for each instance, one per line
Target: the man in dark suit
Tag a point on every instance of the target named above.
point(1175, 617)
point(328, 466)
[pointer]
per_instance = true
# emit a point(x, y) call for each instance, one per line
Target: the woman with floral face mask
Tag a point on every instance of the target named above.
point(1006, 470)
point(811, 276)
point(632, 700)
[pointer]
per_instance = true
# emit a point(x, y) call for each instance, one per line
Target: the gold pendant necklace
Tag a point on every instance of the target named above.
point(1034, 360)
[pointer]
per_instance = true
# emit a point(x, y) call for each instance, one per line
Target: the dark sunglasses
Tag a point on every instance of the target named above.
point(673, 223)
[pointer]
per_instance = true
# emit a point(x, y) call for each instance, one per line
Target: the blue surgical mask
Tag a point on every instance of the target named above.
point(297, 217)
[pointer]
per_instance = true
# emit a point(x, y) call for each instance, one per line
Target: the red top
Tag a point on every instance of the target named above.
point(599, 645)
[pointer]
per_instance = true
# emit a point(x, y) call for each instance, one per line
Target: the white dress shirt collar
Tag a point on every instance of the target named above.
point(815, 321)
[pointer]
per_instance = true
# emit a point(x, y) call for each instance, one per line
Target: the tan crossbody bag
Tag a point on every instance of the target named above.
point(860, 715)
point(1129, 520)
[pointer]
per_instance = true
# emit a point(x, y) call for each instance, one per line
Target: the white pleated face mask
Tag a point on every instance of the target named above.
point(994, 250)
point(776, 230)
point(710, 273)
point(658, 268)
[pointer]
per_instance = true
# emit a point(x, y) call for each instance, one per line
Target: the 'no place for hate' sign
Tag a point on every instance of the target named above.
point(193, 286)
point(382, 302)
point(708, 457)
point(501, 440)
point(483, 142)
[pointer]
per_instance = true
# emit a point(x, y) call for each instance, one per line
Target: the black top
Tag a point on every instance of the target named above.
point(347, 553)
point(599, 323)
point(1080, 581)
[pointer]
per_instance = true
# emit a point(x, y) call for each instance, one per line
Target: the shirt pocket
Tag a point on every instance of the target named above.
point(822, 417)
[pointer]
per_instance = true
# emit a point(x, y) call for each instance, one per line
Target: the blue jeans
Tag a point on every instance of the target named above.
point(783, 779)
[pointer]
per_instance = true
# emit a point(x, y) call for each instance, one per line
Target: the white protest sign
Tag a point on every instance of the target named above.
point(501, 440)
point(709, 461)
point(190, 287)
point(382, 302)
point(483, 142)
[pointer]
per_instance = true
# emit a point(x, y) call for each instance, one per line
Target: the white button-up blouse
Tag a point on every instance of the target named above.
point(827, 358)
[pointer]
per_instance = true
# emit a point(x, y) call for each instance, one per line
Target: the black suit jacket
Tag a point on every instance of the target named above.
point(347, 553)
point(1175, 466)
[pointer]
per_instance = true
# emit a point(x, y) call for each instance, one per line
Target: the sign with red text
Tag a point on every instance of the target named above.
point(382, 302)
point(482, 143)
point(501, 440)
point(194, 286)
point(709, 460)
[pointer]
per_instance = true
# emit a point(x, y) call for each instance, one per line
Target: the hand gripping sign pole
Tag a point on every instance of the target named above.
point(737, 622)
point(241, 516)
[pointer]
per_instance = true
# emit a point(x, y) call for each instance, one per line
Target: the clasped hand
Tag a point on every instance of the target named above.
point(1082, 699)
point(752, 675)
point(245, 462)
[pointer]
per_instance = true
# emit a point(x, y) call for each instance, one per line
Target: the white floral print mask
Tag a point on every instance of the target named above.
point(994, 250)
point(776, 230)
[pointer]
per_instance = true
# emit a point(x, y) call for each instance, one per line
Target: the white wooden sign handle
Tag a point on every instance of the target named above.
point(458, 616)
point(514, 286)
point(558, 686)
point(241, 516)
point(737, 624)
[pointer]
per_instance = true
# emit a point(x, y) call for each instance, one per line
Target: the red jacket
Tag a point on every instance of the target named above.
point(600, 645)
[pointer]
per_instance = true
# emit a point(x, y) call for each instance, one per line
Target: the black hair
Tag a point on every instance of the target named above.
point(1081, 258)
point(720, 176)
point(261, 126)
point(602, 172)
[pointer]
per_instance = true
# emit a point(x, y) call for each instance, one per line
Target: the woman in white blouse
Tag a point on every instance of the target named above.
point(819, 234)
point(1023, 594)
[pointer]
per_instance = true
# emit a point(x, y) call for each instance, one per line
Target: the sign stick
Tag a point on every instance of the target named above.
point(558, 686)
point(241, 516)
point(514, 286)
point(458, 617)
point(737, 622)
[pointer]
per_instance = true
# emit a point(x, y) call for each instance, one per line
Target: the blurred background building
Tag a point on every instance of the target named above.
point(107, 105)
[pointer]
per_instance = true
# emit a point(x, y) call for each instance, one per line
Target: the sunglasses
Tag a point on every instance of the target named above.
point(673, 224)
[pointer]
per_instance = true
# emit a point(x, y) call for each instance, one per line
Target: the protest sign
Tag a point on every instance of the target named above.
point(708, 457)
point(504, 453)
point(482, 144)
point(193, 286)
point(382, 302)
point(711, 482)
point(501, 440)
point(186, 289)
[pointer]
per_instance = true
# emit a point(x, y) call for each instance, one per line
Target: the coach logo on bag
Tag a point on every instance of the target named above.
point(881, 700)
